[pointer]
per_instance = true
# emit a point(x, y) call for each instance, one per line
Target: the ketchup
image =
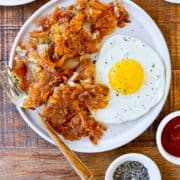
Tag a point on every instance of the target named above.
point(171, 137)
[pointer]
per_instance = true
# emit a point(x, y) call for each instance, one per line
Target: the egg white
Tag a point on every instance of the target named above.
point(122, 108)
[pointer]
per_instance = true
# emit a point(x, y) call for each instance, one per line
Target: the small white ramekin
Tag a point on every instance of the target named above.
point(166, 155)
point(153, 170)
point(173, 1)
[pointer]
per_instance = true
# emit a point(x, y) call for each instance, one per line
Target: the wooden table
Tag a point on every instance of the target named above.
point(25, 156)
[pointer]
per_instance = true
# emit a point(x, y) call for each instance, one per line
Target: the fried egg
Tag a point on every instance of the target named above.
point(135, 75)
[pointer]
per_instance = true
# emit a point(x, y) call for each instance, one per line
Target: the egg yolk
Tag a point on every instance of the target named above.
point(126, 76)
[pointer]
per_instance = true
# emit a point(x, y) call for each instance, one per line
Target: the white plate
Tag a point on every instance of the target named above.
point(14, 2)
point(142, 27)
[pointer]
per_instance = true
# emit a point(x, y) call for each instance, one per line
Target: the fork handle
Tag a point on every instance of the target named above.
point(72, 158)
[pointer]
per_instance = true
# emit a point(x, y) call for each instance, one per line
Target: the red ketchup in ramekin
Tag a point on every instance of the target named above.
point(170, 137)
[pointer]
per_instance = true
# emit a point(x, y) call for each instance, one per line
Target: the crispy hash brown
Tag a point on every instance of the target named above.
point(55, 69)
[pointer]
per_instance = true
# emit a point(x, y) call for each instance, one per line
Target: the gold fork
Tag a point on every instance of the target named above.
point(17, 96)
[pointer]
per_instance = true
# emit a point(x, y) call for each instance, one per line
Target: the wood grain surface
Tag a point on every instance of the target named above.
point(26, 156)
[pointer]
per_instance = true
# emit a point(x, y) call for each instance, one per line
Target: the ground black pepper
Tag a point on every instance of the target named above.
point(131, 170)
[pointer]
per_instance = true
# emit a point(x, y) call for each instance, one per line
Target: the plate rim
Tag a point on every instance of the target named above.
point(6, 3)
point(137, 133)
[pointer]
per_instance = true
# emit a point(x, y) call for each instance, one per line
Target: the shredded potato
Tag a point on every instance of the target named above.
point(69, 114)
point(55, 69)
